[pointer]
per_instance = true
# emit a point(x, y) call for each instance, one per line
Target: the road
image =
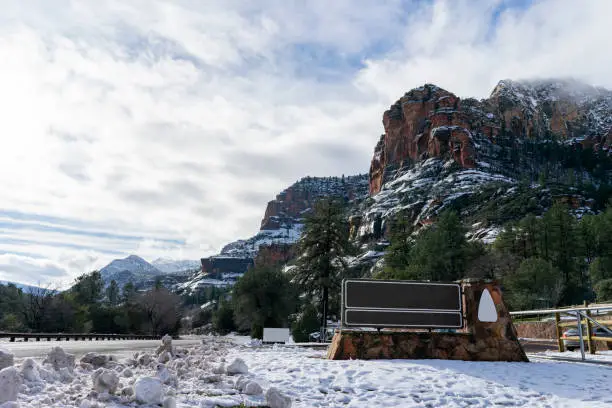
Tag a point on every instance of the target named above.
point(539, 345)
point(121, 348)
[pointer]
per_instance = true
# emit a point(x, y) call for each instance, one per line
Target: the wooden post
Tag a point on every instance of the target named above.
point(589, 330)
point(559, 333)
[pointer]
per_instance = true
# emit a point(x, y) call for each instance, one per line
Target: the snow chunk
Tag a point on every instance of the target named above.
point(277, 399)
point(29, 370)
point(224, 401)
point(58, 359)
point(238, 366)
point(169, 402)
point(10, 383)
point(95, 359)
point(6, 359)
point(105, 380)
point(252, 388)
point(148, 390)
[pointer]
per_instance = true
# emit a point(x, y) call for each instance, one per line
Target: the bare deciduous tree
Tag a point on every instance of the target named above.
point(163, 310)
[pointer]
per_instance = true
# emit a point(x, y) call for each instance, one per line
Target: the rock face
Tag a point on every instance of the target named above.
point(432, 122)
point(283, 217)
point(275, 254)
point(477, 341)
point(291, 204)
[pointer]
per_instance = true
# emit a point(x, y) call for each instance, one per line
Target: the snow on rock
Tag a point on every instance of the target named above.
point(277, 399)
point(238, 366)
point(58, 359)
point(6, 359)
point(105, 380)
point(10, 383)
point(148, 390)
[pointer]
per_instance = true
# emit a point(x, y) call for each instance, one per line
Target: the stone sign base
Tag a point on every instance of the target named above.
point(422, 345)
point(486, 336)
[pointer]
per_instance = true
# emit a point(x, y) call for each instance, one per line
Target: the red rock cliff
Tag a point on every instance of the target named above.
point(432, 122)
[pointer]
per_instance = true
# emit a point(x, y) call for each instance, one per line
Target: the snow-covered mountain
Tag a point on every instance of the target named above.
point(26, 288)
point(132, 263)
point(170, 265)
point(130, 269)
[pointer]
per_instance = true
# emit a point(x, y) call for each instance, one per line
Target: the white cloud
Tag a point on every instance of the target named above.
point(175, 120)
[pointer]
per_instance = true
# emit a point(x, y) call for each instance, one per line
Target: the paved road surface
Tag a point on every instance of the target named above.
point(539, 345)
point(121, 348)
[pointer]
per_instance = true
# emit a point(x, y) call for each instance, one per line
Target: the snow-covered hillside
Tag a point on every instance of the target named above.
point(289, 233)
point(170, 265)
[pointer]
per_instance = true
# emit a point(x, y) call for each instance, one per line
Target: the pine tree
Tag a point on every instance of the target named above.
point(129, 292)
point(324, 245)
point(112, 293)
point(397, 255)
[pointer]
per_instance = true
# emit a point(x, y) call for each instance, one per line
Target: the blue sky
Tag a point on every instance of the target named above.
point(162, 128)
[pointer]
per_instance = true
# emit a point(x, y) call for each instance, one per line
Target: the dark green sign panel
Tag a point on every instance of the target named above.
point(378, 303)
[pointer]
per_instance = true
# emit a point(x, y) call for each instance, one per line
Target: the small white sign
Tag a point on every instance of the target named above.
point(486, 309)
point(273, 335)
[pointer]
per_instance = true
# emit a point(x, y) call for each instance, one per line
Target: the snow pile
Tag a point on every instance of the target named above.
point(10, 383)
point(220, 373)
point(59, 359)
point(6, 359)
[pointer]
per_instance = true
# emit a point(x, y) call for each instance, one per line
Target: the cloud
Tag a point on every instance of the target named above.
point(172, 121)
point(30, 270)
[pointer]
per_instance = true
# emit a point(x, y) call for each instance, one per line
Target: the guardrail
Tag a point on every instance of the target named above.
point(75, 336)
point(583, 316)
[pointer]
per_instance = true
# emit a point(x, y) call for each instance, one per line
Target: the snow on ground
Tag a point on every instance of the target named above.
point(209, 374)
point(314, 382)
point(604, 356)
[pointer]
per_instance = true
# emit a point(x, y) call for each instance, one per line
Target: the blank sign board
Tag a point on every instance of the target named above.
point(378, 303)
point(275, 335)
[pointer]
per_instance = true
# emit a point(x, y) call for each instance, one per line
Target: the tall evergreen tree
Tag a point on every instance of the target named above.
point(112, 293)
point(324, 245)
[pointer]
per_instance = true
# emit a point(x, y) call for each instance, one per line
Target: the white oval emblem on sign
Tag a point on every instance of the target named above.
point(486, 308)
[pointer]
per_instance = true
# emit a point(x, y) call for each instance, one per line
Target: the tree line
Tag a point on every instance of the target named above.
point(551, 260)
point(545, 261)
point(89, 307)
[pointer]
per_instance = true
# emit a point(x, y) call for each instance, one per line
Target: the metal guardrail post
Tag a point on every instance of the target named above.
point(589, 328)
point(560, 343)
point(579, 318)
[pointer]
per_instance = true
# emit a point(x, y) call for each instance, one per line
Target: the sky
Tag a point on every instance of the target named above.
point(162, 128)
